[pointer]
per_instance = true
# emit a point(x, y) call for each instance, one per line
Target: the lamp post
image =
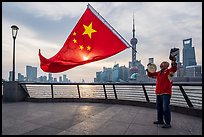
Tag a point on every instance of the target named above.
point(14, 34)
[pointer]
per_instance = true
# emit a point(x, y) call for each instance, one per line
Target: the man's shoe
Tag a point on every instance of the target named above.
point(158, 122)
point(166, 126)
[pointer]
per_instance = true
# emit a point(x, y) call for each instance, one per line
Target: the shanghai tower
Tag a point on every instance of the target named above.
point(189, 58)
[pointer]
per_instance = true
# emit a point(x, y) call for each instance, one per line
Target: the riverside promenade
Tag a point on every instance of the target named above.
point(78, 118)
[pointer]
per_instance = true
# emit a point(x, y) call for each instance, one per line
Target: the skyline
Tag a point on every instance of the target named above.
point(48, 28)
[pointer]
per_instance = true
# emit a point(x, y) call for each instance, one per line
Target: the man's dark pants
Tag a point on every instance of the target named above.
point(163, 110)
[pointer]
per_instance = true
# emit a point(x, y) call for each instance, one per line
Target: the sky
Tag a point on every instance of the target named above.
point(159, 27)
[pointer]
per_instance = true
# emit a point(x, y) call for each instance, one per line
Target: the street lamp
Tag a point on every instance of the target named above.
point(14, 34)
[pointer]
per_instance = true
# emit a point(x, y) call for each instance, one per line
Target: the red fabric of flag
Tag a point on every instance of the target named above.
point(90, 40)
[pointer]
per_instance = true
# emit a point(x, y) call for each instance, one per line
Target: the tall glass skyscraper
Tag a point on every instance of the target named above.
point(31, 74)
point(189, 58)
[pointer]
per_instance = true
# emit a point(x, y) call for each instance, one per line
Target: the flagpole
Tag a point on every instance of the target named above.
point(109, 26)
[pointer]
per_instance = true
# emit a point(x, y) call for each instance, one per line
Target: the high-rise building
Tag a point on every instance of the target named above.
point(137, 70)
point(115, 73)
point(123, 73)
point(189, 68)
point(40, 79)
point(60, 79)
point(189, 58)
point(65, 79)
point(133, 42)
point(106, 75)
point(20, 77)
point(193, 71)
point(50, 78)
point(44, 78)
point(99, 76)
point(31, 74)
point(55, 80)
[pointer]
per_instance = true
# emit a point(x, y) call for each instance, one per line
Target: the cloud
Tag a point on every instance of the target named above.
point(46, 25)
point(52, 10)
point(26, 50)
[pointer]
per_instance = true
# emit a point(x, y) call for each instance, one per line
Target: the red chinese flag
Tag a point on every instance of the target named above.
point(89, 41)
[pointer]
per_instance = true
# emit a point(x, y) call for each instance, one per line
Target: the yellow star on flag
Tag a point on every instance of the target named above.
point(88, 48)
point(81, 47)
point(88, 30)
point(74, 40)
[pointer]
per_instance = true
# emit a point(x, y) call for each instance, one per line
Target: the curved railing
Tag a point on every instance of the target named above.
point(186, 97)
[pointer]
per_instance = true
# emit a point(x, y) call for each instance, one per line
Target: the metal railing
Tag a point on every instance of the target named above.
point(186, 97)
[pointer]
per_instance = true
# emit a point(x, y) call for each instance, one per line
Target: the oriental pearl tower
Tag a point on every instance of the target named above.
point(133, 41)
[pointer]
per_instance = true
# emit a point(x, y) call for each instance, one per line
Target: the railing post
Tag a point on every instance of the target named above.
point(185, 96)
point(145, 93)
point(104, 88)
point(78, 90)
point(115, 92)
point(52, 90)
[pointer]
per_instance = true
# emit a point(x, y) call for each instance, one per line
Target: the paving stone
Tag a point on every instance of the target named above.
point(70, 118)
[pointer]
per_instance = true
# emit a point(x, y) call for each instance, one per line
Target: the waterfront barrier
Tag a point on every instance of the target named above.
point(186, 96)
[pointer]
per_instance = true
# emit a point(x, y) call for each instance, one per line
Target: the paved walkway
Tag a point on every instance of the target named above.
point(69, 118)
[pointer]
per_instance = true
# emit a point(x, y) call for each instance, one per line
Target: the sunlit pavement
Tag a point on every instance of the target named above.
point(69, 118)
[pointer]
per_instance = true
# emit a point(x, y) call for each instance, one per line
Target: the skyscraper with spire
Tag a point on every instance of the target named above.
point(137, 71)
point(189, 58)
point(133, 65)
point(133, 42)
